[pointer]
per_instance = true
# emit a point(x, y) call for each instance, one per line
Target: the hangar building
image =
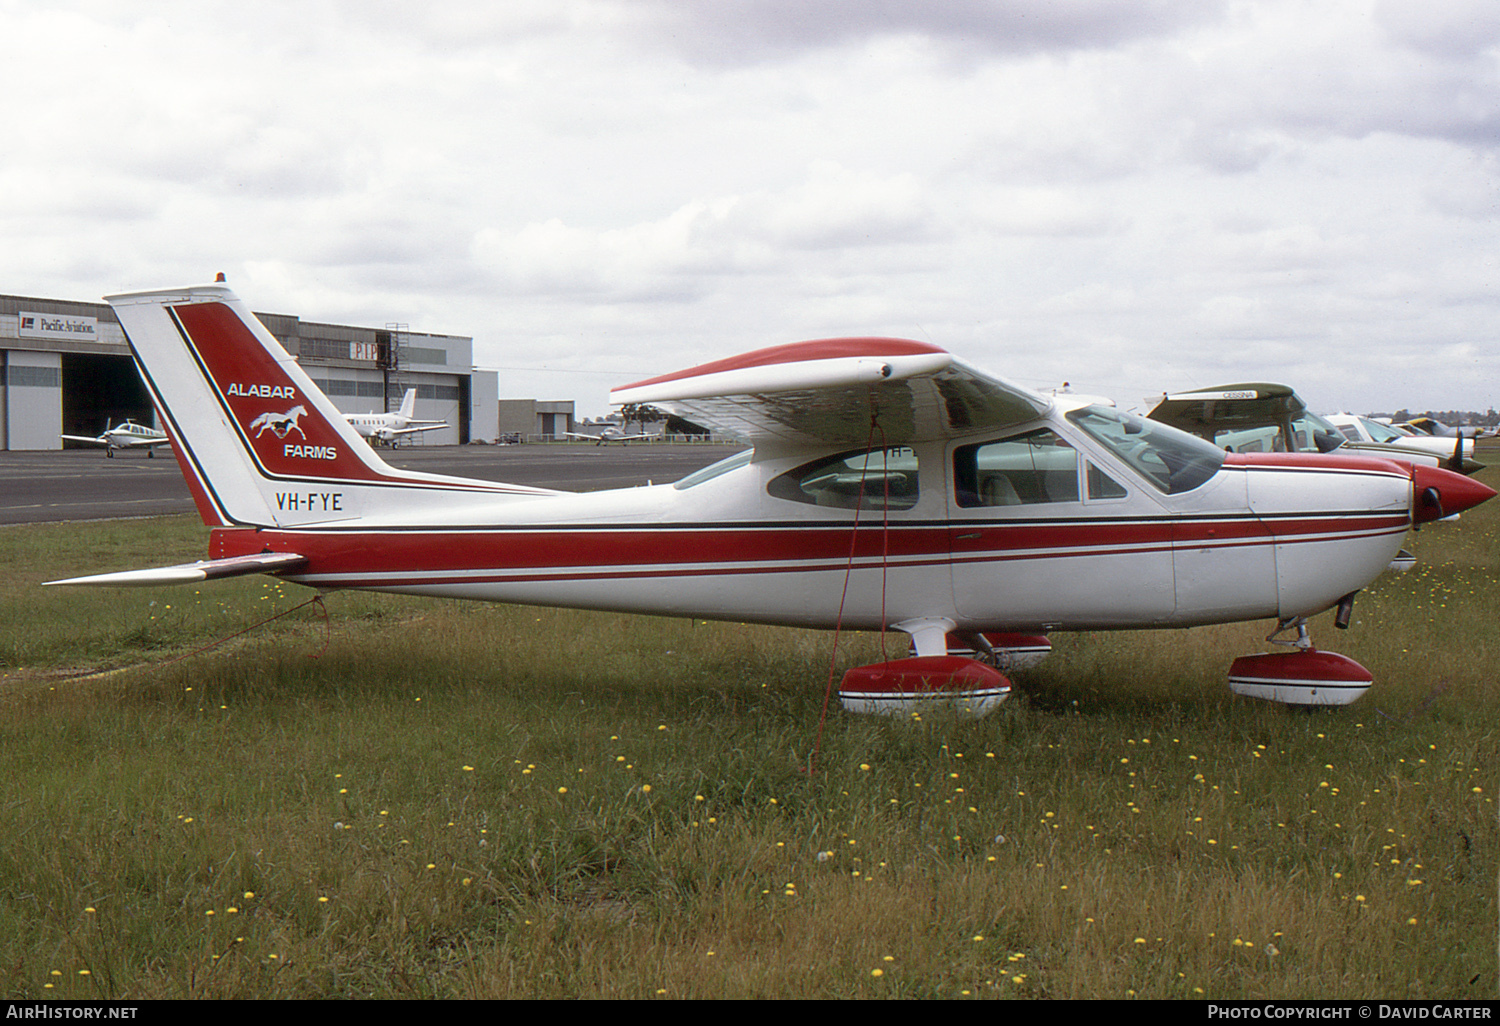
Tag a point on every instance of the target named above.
point(65, 369)
point(531, 418)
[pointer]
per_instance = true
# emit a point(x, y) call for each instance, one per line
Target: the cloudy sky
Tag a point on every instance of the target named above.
point(1131, 197)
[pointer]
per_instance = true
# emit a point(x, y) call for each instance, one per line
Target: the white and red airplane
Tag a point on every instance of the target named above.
point(890, 486)
point(125, 435)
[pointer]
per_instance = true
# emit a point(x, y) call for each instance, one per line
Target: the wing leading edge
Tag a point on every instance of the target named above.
point(825, 392)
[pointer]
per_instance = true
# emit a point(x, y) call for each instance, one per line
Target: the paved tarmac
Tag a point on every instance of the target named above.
point(81, 484)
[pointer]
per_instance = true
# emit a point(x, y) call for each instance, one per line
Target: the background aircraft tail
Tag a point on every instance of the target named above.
point(258, 442)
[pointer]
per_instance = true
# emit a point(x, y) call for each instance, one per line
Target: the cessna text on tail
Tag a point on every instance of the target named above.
point(890, 486)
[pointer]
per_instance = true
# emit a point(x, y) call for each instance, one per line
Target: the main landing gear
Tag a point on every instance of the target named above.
point(961, 671)
point(1303, 676)
point(964, 670)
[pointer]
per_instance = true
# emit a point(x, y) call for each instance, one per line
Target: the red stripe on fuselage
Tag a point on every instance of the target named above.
point(1283, 528)
point(553, 552)
point(395, 551)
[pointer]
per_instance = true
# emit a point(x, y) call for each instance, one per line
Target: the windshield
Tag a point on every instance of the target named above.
point(1316, 434)
point(1172, 460)
point(1382, 432)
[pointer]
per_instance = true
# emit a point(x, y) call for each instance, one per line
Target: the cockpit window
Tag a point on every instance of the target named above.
point(1172, 460)
point(1316, 434)
point(1102, 486)
point(1032, 468)
point(873, 479)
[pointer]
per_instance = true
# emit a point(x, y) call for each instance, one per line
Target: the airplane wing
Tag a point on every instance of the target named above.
point(122, 443)
point(826, 392)
point(414, 430)
point(187, 573)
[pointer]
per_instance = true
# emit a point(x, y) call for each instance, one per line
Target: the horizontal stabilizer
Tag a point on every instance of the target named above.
point(189, 573)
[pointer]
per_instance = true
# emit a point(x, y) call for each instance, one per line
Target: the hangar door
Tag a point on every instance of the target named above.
point(99, 392)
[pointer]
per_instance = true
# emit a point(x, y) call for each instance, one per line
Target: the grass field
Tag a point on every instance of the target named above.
point(422, 798)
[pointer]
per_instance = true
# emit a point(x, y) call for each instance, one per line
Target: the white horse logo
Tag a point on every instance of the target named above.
point(281, 424)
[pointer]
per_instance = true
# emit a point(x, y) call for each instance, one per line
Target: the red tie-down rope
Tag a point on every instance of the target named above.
point(885, 551)
point(315, 600)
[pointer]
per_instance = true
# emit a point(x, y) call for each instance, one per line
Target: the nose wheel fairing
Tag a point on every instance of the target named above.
point(1303, 676)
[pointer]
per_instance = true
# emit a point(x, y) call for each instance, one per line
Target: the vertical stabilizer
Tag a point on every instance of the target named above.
point(259, 443)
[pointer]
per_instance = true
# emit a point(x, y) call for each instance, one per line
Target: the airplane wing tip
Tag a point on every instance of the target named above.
point(132, 578)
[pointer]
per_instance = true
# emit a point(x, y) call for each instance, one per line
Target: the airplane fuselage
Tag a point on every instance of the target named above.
point(129, 433)
point(387, 427)
point(754, 540)
point(891, 485)
point(126, 435)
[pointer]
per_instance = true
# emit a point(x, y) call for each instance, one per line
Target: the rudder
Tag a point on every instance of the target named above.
point(259, 443)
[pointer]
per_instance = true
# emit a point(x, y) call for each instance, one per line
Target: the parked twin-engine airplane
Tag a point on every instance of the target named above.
point(127, 435)
point(890, 486)
point(392, 427)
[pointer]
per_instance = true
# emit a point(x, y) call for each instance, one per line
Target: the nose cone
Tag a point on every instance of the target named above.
point(1438, 493)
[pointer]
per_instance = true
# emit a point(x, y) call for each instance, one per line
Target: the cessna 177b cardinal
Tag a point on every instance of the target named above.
point(890, 486)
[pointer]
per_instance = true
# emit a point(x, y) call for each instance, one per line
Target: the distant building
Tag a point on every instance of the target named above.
point(529, 418)
point(65, 369)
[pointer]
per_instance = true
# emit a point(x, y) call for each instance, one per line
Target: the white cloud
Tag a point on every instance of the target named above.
point(742, 31)
point(1129, 197)
point(1442, 28)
